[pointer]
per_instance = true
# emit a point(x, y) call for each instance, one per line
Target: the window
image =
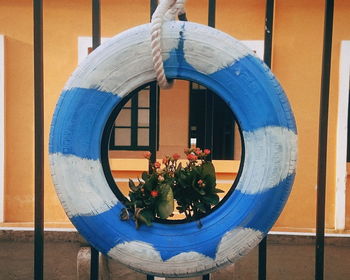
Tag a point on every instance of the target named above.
point(135, 126)
point(212, 123)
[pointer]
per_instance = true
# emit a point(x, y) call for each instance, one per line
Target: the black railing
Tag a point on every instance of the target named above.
point(39, 140)
point(268, 35)
point(322, 144)
point(96, 27)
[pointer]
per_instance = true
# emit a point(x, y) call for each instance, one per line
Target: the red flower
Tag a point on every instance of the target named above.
point(147, 155)
point(186, 151)
point(198, 151)
point(166, 160)
point(192, 157)
point(154, 193)
point(206, 151)
point(200, 182)
point(176, 156)
point(157, 164)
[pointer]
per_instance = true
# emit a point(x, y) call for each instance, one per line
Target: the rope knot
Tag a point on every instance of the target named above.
point(167, 10)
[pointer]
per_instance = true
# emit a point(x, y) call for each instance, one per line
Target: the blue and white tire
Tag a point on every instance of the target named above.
point(219, 62)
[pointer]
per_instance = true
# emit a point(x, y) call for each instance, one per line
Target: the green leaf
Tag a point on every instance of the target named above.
point(124, 214)
point(201, 207)
point(211, 198)
point(216, 190)
point(200, 191)
point(208, 169)
point(146, 217)
point(144, 176)
point(132, 186)
point(166, 201)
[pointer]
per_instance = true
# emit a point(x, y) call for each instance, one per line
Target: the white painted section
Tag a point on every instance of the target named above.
point(210, 57)
point(342, 130)
point(145, 258)
point(81, 185)
point(270, 156)
point(124, 62)
point(237, 243)
point(2, 128)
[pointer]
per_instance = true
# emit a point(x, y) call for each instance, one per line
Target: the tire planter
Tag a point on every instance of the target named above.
point(219, 62)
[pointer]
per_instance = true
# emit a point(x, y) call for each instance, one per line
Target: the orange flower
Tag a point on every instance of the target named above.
point(192, 157)
point(147, 155)
point(157, 164)
point(206, 151)
point(198, 151)
point(154, 193)
point(176, 156)
point(166, 160)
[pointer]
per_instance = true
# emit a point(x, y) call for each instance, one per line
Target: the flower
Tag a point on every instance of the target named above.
point(147, 155)
point(197, 151)
point(154, 193)
point(187, 185)
point(201, 183)
point(176, 156)
point(160, 178)
point(192, 157)
point(206, 151)
point(166, 160)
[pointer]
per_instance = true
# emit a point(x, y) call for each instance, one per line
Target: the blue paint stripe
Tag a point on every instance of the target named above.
point(258, 212)
point(79, 120)
point(106, 230)
point(247, 86)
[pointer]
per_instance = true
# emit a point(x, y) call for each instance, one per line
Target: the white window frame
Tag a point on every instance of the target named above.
point(342, 131)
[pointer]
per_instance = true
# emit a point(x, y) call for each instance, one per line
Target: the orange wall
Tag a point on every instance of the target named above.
point(297, 50)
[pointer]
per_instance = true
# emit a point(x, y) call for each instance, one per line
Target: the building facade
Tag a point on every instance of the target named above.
point(296, 62)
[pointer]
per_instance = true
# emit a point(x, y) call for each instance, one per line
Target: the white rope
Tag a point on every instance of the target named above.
point(167, 10)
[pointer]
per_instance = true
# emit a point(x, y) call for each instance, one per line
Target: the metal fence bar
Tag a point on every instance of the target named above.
point(39, 141)
point(96, 24)
point(211, 13)
point(269, 14)
point(153, 7)
point(322, 144)
point(96, 41)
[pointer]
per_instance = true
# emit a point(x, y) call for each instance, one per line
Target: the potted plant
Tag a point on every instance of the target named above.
point(191, 188)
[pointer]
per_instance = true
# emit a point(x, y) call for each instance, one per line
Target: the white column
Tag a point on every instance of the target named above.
point(342, 130)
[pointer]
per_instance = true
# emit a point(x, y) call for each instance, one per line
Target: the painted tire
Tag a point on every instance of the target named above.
point(219, 62)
